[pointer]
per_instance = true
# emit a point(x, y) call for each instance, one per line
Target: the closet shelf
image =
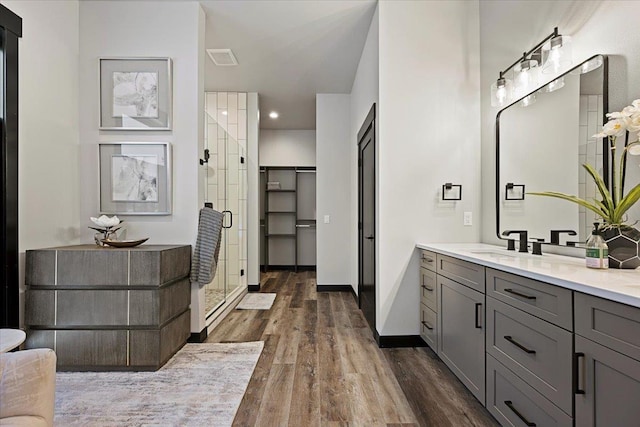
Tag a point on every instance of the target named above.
point(280, 211)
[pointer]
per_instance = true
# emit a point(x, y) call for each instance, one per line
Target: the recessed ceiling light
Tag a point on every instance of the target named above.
point(224, 113)
point(273, 115)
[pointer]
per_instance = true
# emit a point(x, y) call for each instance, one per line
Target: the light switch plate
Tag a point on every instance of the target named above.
point(468, 219)
point(327, 219)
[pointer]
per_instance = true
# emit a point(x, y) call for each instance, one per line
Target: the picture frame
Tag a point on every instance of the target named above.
point(135, 94)
point(135, 178)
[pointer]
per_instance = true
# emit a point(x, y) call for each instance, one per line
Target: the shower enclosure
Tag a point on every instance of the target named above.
point(226, 191)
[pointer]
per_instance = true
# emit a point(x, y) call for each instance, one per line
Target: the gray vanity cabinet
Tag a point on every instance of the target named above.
point(461, 333)
point(608, 386)
point(607, 363)
point(428, 299)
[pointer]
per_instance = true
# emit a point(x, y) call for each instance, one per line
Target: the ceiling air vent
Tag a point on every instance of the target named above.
point(222, 57)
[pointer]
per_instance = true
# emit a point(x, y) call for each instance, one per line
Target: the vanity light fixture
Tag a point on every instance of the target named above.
point(554, 53)
point(526, 72)
point(554, 85)
point(528, 100)
point(591, 65)
point(501, 92)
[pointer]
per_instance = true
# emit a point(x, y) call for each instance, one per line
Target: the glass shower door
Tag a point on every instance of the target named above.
point(226, 190)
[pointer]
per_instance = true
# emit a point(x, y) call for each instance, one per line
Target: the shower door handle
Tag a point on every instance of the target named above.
point(230, 219)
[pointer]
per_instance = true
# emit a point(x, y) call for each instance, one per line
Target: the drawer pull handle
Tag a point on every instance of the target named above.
point(517, 344)
point(515, 411)
point(427, 259)
point(427, 288)
point(577, 373)
point(426, 325)
point(511, 291)
point(478, 325)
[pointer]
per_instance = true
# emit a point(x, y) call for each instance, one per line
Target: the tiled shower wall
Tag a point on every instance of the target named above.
point(226, 139)
point(590, 151)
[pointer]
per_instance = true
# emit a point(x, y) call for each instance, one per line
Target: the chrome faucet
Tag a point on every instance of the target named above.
point(522, 239)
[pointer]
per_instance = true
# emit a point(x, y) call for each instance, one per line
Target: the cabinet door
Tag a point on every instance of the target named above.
point(461, 334)
point(608, 386)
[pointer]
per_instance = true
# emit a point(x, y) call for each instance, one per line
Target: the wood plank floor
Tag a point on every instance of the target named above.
point(321, 366)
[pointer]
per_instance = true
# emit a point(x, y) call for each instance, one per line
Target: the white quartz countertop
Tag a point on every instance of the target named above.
point(571, 273)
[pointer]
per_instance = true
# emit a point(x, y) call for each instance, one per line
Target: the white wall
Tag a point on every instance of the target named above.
point(364, 93)
point(508, 28)
point(333, 192)
point(287, 147)
point(428, 135)
point(253, 189)
point(48, 181)
point(133, 29)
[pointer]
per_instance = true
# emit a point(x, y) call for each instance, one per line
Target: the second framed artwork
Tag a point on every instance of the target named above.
point(135, 93)
point(135, 178)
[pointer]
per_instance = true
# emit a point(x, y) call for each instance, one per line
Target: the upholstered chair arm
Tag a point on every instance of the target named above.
point(27, 387)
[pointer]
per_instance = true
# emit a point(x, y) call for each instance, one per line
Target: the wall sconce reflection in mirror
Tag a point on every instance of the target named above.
point(514, 191)
point(451, 191)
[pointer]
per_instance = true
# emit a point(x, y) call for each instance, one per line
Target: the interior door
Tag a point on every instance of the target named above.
point(367, 220)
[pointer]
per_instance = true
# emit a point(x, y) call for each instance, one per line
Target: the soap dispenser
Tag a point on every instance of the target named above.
point(597, 250)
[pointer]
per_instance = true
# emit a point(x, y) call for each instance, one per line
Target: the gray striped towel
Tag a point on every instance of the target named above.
point(205, 255)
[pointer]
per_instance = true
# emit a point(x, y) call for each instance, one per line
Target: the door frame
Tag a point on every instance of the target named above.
point(11, 30)
point(369, 125)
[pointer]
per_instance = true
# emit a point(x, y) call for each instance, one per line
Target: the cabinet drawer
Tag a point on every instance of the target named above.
point(428, 289)
point(464, 272)
point(514, 403)
point(428, 260)
point(428, 327)
point(538, 352)
point(548, 302)
point(609, 323)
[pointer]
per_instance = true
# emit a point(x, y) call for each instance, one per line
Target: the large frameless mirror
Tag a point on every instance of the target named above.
point(542, 140)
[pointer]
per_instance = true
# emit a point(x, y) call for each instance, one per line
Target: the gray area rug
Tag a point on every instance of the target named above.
point(202, 385)
point(256, 301)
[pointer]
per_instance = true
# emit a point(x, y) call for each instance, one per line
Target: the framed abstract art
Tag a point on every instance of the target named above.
point(135, 94)
point(135, 178)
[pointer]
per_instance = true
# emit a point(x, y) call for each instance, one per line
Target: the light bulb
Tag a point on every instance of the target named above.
point(528, 100)
point(554, 85)
point(526, 76)
point(556, 54)
point(501, 92)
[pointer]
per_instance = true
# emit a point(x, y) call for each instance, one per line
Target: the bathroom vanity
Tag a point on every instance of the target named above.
point(108, 308)
point(539, 340)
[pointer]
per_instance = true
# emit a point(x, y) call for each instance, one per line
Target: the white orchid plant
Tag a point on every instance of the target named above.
point(106, 225)
point(614, 205)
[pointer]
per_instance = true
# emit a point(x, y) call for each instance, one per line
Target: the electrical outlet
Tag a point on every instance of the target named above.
point(327, 219)
point(468, 218)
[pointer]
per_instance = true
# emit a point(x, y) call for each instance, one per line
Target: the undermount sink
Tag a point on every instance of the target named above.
point(492, 253)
